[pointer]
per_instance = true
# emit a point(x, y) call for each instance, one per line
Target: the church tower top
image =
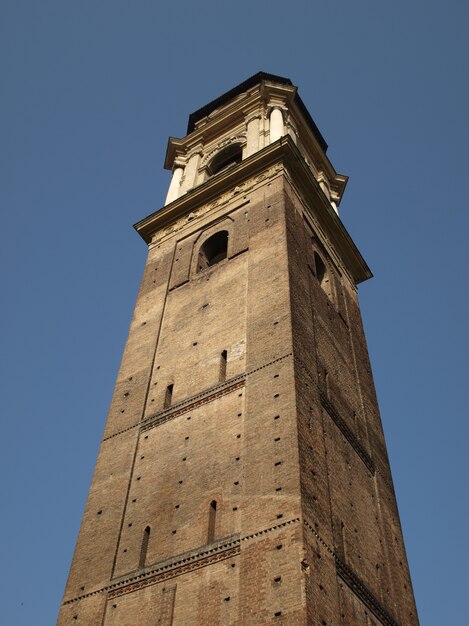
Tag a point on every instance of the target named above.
point(246, 119)
point(259, 124)
point(246, 85)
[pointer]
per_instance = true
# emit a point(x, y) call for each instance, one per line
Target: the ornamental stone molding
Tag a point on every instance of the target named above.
point(241, 139)
point(223, 199)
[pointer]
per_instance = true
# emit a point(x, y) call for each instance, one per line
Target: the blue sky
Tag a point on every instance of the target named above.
point(90, 93)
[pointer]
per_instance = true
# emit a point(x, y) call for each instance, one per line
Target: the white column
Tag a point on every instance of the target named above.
point(175, 184)
point(252, 135)
point(190, 173)
point(277, 129)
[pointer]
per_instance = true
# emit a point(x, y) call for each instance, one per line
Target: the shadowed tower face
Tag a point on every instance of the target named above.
point(242, 477)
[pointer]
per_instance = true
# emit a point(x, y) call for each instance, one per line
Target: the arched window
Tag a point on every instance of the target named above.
point(214, 250)
point(323, 275)
point(212, 518)
point(227, 157)
point(144, 547)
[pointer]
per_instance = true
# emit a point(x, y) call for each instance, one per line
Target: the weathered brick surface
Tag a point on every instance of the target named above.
point(347, 494)
point(289, 444)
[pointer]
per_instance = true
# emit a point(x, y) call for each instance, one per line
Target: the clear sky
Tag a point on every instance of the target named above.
point(90, 93)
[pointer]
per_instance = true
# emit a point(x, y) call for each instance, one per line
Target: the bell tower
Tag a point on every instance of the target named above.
point(242, 477)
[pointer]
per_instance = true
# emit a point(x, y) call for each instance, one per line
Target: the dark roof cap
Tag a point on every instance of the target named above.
point(244, 86)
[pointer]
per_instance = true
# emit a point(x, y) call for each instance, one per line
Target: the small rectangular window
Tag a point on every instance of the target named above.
point(168, 398)
point(144, 547)
point(212, 516)
point(223, 360)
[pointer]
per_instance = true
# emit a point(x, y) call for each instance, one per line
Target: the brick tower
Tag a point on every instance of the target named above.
point(242, 477)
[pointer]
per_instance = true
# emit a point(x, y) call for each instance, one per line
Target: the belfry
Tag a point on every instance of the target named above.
point(243, 478)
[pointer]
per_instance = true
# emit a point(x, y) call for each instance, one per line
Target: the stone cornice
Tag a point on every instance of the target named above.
point(284, 154)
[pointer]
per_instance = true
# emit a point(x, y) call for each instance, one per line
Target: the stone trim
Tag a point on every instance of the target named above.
point(240, 138)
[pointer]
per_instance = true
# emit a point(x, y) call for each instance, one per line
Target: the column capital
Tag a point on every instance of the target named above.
point(272, 106)
point(178, 164)
point(253, 116)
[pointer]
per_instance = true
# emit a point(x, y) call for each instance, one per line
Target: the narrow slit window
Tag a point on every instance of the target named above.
point(323, 275)
point(223, 360)
point(168, 398)
point(212, 518)
point(144, 547)
point(212, 251)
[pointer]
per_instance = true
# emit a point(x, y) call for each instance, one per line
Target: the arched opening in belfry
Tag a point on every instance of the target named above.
point(224, 159)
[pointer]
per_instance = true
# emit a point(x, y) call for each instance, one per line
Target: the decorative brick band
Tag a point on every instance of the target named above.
point(361, 591)
point(355, 583)
point(197, 563)
point(313, 382)
point(180, 565)
point(206, 396)
point(189, 563)
point(193, 403)
point(210, 394)
point(339, 421)
point(264, 531)
point(319, 538)
point(348, 434)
